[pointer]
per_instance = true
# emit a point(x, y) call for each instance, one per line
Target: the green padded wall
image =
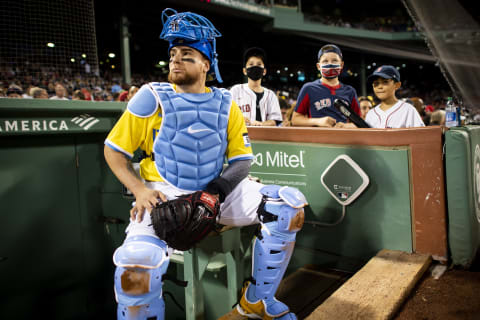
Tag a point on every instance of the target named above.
point(462, 165)
point(379, 219)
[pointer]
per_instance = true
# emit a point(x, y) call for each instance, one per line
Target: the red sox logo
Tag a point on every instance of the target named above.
point(245, 108)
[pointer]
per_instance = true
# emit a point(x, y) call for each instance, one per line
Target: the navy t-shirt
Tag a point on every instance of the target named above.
point(316, 100)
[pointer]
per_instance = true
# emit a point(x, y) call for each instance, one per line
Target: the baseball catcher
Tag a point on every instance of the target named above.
point(187, 131)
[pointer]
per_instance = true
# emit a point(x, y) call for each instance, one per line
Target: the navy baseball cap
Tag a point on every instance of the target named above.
point(385, 72)
point(329, 48)
point(254, 52)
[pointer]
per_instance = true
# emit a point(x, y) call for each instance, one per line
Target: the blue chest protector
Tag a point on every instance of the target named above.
point(190, 146)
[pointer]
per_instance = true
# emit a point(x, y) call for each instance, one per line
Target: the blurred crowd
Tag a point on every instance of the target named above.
point(60, 86)
point(56, 86)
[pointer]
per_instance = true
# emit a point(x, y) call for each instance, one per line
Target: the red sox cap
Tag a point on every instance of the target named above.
point(386, 72)
point(329, 48)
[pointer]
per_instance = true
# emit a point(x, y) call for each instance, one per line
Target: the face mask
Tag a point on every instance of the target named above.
point(330, 71)
point(255, 72)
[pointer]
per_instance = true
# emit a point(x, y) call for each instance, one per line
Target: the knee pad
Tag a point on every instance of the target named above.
point(281, 209)
point(141, 262)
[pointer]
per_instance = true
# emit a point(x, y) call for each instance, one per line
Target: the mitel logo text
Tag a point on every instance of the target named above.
point(280, 159)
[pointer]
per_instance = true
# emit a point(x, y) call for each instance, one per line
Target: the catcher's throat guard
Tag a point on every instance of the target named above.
point(185, 221)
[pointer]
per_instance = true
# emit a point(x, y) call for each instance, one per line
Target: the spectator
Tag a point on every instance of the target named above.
point(86, 94)
point(437, 118)
point(123, 96)
point(78, 95)
point(420, 106)
point(365, 105)
point(14, 91)
point(116, 96)
point(288, 121)
point(315, 101)
point(116, 88)
point(39, 93)
point(391, 112)
point(108, 96)
point(259, 105)
point(284, 109)
point(60, 92)
point(131, 93)
point(27, 94)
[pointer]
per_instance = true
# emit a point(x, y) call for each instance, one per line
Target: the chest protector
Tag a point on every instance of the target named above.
point(190, 146)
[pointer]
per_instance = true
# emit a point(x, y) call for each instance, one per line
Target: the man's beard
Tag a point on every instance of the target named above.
point(183, 79)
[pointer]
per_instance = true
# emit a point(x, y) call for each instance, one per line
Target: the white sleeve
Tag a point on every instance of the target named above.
point(273, 107)
point(414, 119)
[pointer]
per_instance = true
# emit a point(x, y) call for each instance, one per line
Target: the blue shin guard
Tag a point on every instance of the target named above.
point(141, 262)
point(282, 216)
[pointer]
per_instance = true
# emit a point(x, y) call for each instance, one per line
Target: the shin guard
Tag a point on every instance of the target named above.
point(281, 215)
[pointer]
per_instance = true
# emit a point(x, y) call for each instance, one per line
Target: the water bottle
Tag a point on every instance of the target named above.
point(450, 113)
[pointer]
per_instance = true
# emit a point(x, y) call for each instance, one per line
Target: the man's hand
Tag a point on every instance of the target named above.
point(247, 121)
point(325, 122)
point(145, 199)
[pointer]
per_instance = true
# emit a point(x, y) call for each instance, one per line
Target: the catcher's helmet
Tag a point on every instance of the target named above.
point(192, 30)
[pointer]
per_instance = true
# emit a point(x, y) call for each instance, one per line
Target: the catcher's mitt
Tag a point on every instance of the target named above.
point(184, 221)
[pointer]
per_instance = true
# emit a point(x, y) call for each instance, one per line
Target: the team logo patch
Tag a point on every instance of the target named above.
point(174, 26)
point(246, 140)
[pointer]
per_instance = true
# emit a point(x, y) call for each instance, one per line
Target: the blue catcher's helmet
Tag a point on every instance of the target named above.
point(192, 30)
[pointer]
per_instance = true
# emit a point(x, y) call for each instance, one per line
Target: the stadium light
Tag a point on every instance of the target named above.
point(84, 55)
point(162, 63)
point(51, 45)
point(111, 55)
point(72, 59)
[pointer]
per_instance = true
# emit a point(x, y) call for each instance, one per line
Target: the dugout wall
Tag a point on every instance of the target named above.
point(63, 214)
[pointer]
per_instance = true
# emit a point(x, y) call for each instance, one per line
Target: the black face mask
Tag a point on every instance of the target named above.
point(255, 72)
